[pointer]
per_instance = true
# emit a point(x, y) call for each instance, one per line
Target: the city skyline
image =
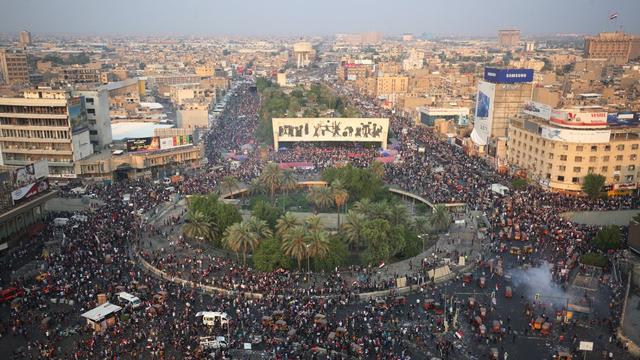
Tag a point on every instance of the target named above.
point(291, 18)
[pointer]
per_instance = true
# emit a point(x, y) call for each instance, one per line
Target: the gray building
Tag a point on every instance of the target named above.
point(97, 104)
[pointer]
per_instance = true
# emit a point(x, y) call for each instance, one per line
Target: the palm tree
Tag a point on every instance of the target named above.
point(318, 246)
point(321, 197)
point(229, 183)
point(363, 206)
point(398, 214)
point(340, 196)
point(353, 227)
point(256, 186)
point(238, 238)
point(288, 183)
point(294, 244)
point(272, 178)
point(377, 168)
point(199, 227)
point(440, 219)
point(313, 224)
point(286, 222)
point(258, 229)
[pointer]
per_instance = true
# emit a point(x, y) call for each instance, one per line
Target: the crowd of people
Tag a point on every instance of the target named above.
point(321, 315)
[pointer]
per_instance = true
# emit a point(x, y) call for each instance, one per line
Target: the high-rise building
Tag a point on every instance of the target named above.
point(13, 67)
point(618, 47)
point(501, 95)
point(99, 122)
point(81, 75)
point(558, 148)
point(509, 38)
point(25, 38)
point(45, 125)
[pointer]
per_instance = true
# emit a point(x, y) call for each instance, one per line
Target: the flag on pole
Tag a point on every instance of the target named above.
point(613, 16)
point(382, 264)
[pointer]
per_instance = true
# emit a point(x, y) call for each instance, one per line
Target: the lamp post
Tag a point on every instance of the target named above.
point(307, 246)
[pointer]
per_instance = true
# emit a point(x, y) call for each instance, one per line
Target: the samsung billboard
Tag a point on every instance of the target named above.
point(508, 76)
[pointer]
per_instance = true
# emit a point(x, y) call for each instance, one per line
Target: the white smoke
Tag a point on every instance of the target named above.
point(538, 280)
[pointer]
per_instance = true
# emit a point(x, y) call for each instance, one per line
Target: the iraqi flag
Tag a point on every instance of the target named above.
point(459, 334)
point(382, 264)
point(613, 16)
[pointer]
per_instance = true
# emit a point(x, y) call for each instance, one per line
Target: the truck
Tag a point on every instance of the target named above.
point(499, 189)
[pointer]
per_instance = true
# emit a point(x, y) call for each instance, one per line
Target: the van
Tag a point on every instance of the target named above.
point(211, 318)
point(210, 342)
point(129, 300)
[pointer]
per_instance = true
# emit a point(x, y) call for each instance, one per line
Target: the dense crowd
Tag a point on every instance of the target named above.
point(99, 255)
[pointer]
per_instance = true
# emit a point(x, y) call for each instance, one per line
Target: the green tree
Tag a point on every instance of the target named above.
point(608, 238)
point(519, 183)
point(592, 185)
point(238, 237)
point(267, 212)
point(258, 229)
point(440, 219)
point(199, 227)
point(336, 256)
point(377, 234)
point(272, 178)
point(269, 256)
point(285, 223)
point(318, 246)
point(214, 212)
point(229, 183)
point(313, 224)
point(340, 197)
point(294, 244)
point(257, 187)
point(378, 169)
point(594, 259)
point(289, 183)
point(353, 229)
point(320, 196)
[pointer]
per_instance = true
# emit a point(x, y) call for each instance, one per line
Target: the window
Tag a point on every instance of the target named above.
point(578, 158)
point(594, 148)
point(593, 159)
point(591, 170)
point(548, 176)
point(579, 148)
point(93, 132)
point(618, 168)
point(607, 148)
point(629, 178)
point(562, 168)
point(577, 169)
point(616, 178)
point(619, 157)
point(620, 147)
point(633, 157)
point(563, 157)
point(575, 180)
point(91, 111)
point(88, 100)
point(560, 178)
point(634, 146)
point(605, 169)
point(605, 158)
point(631, 167)
point(565, 147)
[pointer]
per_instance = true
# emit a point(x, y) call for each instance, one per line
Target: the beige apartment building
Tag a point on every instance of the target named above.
point(509, 38)
point(558, 157)
point(391, 85)
point(44, 125)
point(617, 47)
point(13, 67)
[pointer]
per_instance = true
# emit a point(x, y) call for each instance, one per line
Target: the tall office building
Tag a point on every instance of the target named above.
point(501, 95)
point(99, 121)
point(25, 38)
point(615, 46)
point(509, 38)
point(45, 125)
point(13, 67)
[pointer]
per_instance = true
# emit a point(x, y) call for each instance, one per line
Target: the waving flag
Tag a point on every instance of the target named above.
point(613, 16)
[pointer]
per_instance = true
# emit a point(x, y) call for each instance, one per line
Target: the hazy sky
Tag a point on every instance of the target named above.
point(312, 17)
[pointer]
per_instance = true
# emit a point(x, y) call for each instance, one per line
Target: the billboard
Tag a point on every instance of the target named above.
point(175, 141)
point(576, 136)
point(77, 114)
point(537, 109)
point(31, 173)
point(29, 190)
point(577, 119)
point(331, 129)
point(484, 113)
point(508, 76)
point(623, 119)
point(143, 144)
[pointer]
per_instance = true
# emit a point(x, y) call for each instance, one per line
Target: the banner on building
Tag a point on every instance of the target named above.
point(484, 113)
point(576, 136)
point(77, 114)
point(143, 144)
point(330, 129)
point(175, 141)
point(29, 190)
point(623, 119)
point(508, 76)
point(537, 109)
point(29, 174)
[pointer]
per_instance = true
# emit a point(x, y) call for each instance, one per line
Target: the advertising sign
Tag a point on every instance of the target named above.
point(578, 119)
point(30, 173)
point(623, 119)
point(175, 141)
point(77, 114)
point(537, 109)
point(576, 136)
point(331, 129)
point(484, 113)
point(143, 144)
point(508, 76)
point(29, 190)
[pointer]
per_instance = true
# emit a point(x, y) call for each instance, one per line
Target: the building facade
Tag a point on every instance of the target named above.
point(14, 69)
point(44, 125)
point(97, 105)
point(558, 155)
point(509, 38)
point(617, 47)
point(25, 38)
point(81, 75)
